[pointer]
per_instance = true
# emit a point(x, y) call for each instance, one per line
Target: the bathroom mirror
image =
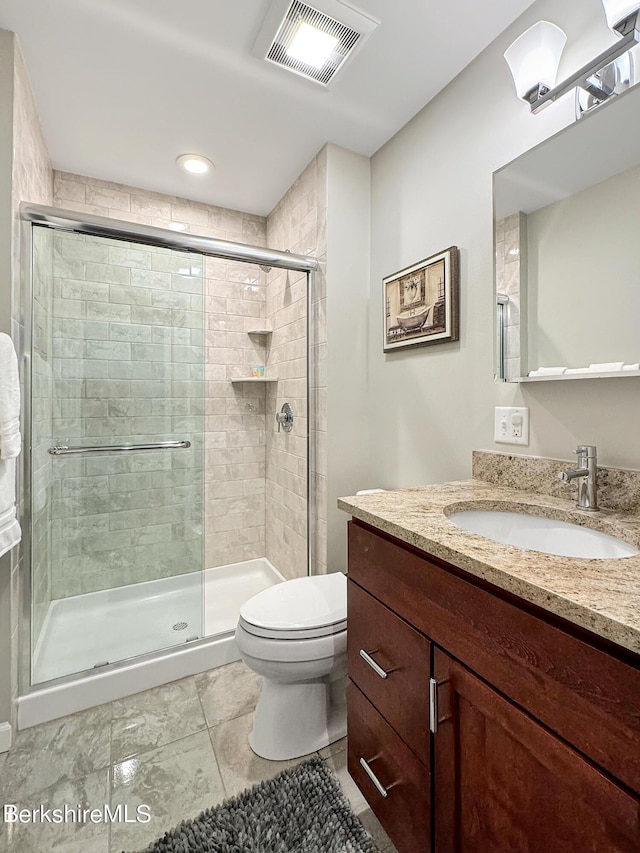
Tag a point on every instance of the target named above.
point(567, 266)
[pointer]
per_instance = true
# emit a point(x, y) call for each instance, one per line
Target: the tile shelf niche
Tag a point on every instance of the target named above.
point(259, 331)
point(254, 379)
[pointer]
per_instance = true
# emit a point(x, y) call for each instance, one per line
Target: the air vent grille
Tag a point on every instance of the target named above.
point(301, 13)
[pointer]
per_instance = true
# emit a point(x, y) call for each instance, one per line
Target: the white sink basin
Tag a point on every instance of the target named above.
point(534, 533)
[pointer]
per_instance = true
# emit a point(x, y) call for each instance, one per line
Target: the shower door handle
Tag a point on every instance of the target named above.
point(284, 418)
point(63, 450)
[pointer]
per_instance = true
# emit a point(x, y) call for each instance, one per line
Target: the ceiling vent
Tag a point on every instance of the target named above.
point(312, 41)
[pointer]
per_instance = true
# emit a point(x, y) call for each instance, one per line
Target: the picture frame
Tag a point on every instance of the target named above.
point(421, 302)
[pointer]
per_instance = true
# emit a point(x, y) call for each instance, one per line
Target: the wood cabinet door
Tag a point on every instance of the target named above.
point(395, 784)
point(502, 782)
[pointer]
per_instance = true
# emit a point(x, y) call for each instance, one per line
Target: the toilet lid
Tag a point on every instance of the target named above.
point(311, 606)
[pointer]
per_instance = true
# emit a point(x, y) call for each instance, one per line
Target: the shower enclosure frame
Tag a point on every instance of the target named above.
point(100, 226)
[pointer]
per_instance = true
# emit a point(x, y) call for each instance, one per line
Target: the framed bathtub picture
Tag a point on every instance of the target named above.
point(421, 302)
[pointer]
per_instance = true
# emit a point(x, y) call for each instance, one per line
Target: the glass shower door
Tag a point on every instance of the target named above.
point(117, 450)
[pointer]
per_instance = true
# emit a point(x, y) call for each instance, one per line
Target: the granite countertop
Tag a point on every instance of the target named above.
point(602, 596)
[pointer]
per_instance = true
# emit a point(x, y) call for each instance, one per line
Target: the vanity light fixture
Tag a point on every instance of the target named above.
point(195, 164)
point(534, 57)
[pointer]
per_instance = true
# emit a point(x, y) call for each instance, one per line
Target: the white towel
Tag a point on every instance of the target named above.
point(10, 532)
point(635, 366)
point(10, 440)
point(548, 371)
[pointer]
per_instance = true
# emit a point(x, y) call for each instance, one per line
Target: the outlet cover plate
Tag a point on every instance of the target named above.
point(507, 429)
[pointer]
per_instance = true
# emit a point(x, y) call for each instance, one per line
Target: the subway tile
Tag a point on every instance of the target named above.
point(66, 348)
point(171, 299)
point(129, 257)
point(194, 214)
point(151, 389)
point(107, 350)
point(132, 332)
point(82, 329)
point(108, 311)
point(155, 279)
point(187, 319)
point(135, 370)
point(75, 248)
point(149, 461)
point(152, 206)
point(84, 290)
point(151, 316)
point(100, 196)
point(83, 368)
point(171, 335)
point(69, 308)
point(187, 283)
point(108, 273)
point(102, 427)
point(151, 352)
point(69, 189)
point(178, 264)
point(131, 407)
point(107, 388)
point(152, 534)
point(129, 295)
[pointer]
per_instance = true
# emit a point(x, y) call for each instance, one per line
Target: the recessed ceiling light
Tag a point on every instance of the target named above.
point(311, 46)
point(195, 164)
point(177, 226)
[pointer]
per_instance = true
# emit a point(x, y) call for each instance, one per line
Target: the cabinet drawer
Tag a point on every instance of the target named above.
point(404, 812)
point(378, 638)
point(585, 694)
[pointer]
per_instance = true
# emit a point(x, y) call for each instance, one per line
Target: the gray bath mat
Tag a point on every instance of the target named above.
point(302, 810)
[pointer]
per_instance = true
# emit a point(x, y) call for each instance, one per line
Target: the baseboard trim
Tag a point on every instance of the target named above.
point(5, 737)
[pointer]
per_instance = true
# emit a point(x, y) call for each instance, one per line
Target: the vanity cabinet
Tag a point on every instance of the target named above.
point(497, 726)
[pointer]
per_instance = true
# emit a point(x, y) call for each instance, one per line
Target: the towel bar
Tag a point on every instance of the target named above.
point(61, 450)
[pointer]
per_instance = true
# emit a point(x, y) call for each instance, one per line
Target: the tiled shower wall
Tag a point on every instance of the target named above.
point(127, 367)
point(234, 304)
point(297, 223)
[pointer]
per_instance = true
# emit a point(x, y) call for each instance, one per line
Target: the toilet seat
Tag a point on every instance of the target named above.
point(298, 609)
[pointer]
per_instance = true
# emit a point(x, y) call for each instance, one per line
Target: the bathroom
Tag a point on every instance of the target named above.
point(384, 182)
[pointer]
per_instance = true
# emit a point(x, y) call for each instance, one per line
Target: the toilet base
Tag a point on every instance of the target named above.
point(292, 720)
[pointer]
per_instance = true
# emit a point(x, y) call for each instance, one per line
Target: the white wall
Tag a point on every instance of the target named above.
point(348, 251)
point(432, 188)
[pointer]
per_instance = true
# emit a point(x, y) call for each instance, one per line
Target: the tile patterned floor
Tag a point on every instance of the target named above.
point(179, 748)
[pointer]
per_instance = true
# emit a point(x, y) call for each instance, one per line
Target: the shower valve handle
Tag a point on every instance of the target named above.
point(284, 418)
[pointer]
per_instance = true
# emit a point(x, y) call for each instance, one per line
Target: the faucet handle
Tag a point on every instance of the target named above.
point(590, 451)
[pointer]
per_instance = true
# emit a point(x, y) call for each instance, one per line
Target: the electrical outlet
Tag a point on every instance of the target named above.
point(511, 425)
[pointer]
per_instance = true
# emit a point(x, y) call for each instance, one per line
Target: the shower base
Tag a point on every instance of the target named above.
point(119, 626)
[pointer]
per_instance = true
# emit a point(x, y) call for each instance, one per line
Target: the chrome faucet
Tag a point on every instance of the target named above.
point(586, 474)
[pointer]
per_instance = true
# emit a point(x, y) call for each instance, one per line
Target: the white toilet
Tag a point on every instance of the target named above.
point(294, 635)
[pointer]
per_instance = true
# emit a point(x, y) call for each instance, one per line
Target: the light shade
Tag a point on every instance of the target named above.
point(195, 164)
point(534, 57)
point(311, 45)
point(617, 10)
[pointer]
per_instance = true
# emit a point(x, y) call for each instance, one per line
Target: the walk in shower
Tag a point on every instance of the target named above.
point(160, 489)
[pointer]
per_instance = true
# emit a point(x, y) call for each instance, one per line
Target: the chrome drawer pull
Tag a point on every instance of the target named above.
point(381, 789)
point(374, 666)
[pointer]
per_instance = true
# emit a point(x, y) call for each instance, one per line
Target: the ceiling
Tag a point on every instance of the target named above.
point(125, 86)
